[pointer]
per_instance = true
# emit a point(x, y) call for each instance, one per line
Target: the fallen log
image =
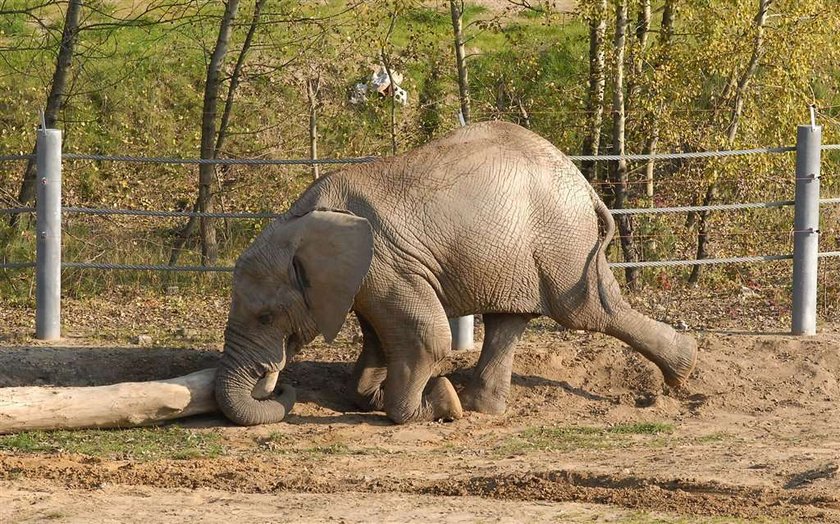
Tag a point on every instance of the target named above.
point(119, 405)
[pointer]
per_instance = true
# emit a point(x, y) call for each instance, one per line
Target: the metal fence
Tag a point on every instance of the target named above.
point(48, 210)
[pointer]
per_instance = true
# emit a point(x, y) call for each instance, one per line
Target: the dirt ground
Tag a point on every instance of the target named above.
point(591, 433)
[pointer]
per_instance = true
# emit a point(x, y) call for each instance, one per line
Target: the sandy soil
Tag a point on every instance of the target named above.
point(756, 435)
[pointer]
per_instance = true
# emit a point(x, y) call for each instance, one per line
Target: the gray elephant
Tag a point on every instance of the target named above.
point(490, 219)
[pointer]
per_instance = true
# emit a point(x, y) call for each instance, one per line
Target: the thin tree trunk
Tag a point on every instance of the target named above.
point(619, 168)
point(665, 39)
point(597, 82)
point(57, 95)
point(639, 52)
point(207, 172)
point(187, 231)
point(237, 75)
point(732, 129)
point(457, 11)
point(313, 86)
point(387, 64)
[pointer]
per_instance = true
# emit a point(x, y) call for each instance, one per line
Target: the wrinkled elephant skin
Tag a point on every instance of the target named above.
point(491, 219)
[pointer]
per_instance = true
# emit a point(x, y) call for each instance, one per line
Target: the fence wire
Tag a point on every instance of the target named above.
point(367, 159)
point(228, 269)
point(361, 160)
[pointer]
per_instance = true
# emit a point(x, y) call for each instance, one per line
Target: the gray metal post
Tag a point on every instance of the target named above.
point(462, 328)
point(806, 234)
point(462, 332)
point(48, 255)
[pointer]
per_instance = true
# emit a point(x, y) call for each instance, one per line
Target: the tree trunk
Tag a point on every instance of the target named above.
point(313, 86)
point(116, 406)
point(457, 11)
point(739, 95)
point(619, 168)
point(595, 95)
point(665, 38)
point(57, 95)
point(639, 52)
point(186, 232)
point(387, 64)
point(207, 172)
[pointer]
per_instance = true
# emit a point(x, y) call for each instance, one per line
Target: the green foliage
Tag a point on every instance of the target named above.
point(137, 89)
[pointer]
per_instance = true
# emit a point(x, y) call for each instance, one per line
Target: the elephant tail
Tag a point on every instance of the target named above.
point(602, 268)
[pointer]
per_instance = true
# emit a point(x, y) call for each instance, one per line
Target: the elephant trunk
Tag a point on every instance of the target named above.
point(242, 390)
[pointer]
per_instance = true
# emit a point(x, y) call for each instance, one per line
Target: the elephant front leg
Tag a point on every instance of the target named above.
point(414, 332)
point(488, 389)
point(369, 372)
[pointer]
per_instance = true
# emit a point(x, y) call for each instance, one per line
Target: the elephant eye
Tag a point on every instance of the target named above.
point(265, 318)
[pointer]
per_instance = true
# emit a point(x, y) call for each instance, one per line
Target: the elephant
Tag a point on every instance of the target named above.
point(491, 219)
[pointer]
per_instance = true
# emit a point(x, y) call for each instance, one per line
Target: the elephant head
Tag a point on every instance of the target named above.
point(299, 278)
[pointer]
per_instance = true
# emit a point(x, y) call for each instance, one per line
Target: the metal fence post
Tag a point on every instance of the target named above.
point(806, 233)
point(462, 328)
point(48, 228)
point(462, 332)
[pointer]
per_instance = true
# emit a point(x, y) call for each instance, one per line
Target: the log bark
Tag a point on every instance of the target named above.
point(121, 405)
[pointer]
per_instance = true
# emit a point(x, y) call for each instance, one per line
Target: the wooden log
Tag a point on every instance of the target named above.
point(116, 406)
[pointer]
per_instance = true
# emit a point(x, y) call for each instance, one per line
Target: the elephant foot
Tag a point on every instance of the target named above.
point(474, 399)
point(677, 361)
point(369, 401)
point(443, 400)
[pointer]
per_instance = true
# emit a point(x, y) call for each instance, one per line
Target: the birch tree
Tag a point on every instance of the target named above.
point(456, 10)
point(595, 94)
point(735, 91)
point(618, 170)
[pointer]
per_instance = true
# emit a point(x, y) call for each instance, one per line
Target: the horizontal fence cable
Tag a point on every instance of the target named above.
point(687, 209)
point(225, 161)
point(13, 158)
point(146, 267)
point(16, 210)
point(689, 154)
point(628, 211)
point(228, 269)
point(702, 261)
point(361, 160)
point(16, 265)
point(152, 213)
point(711, 261)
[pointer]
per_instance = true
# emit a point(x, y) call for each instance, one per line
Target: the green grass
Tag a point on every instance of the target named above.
point(642, 517)
point(567, 438)
point(170, 442)
point(284, 444)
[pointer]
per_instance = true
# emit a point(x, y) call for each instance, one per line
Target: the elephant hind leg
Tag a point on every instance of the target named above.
point(673, 353)
point(595, 303)
point(488, 389)
point(369, 373)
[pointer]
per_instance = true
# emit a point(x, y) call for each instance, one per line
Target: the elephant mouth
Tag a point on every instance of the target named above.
point(292, 345)
point(265, 386)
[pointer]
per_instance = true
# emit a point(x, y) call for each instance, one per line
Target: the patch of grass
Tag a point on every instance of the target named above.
point(584, 437)
point(284, 444)
point(171, 442)
point(642, 517)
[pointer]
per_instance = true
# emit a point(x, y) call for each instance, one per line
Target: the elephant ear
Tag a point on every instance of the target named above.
point(334, 251)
